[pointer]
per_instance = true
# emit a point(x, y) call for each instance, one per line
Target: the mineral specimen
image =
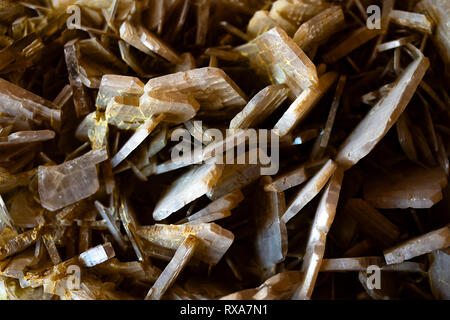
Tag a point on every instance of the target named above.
point(186, 188)
point(176, 149)
point(118, 86)
point(434, 240)
point(384, 114)
point(214, 241)
point(409, 187)
point(261, 106)
point(271, 232)
point(319, 28)
point(300, 108)
point(315, 247)
point(22, 104)
point(70, 181)
point(310, 190)
point(275, 55)
point(212, 88)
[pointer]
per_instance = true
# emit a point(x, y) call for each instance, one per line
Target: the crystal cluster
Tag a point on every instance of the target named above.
point(137, 146)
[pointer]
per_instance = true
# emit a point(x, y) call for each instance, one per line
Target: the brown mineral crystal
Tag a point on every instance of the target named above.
point(224, 149)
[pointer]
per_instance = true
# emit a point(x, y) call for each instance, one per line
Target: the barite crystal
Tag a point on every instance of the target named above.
point(97, 255)
point(24, 211)
point(362, 263)
point(384, 114)
point(260, 23)
point(211, 87)
point(275, 56)
point(131, 269)
point(261, 106)
point(71, 181)
point(94, 61)
point(282, 22)
point(304, 103)
point(408, 187)
point(81, 99)
point(177, 107)
point(22, 137)
point(234, 176)
point(439, 11)
point(20, 242)
point(439, 275)
point(288, 180)
point(98, 135)
point(434, 240)
point(111, 224)
point(221, 206)
point(189, 186)
point(396, 43)
point(170, 273)
point(214, 241)
point(416, 21)
point(319, 28)
point(22, 104)
point(113, 85)
point(136, 139)
point(298, 12)
point(147, 42)
point(213, 151)
point(125, 133)
point(310, 190)
point(353, 41)
point(278, 287)
point(315, 247)
point(271, 233)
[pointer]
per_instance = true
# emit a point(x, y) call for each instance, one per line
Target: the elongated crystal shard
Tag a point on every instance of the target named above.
point(353, 41)
point(319, 28)
point(417, 21)
point(277, 287)
point(147, 42)
point(170, 273)
point(304, 103)
point(362, 263)
point(221, 205)
point(81, 98)
point(288, 180)
point(188, 187)
point(271, 233)
point(434, 240)
point(315, 247)
point(261, 106)
point(383, 115)
point(310, 190)
point(260, 23)
point(439, 11)
point(298, 12)
point(20, 103)
point(136, 139)
point(21, 137)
